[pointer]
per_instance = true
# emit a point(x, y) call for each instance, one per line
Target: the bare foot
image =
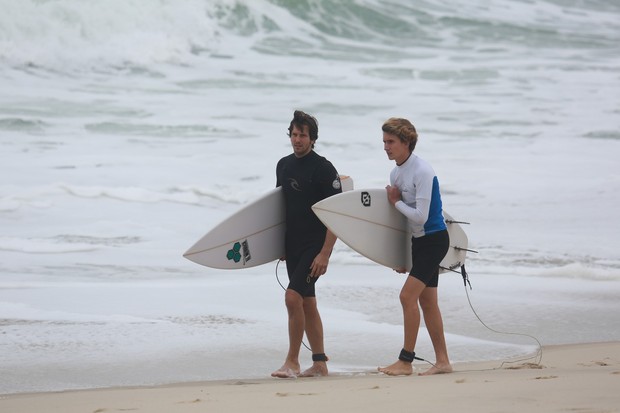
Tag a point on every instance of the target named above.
point(437, 369)
point(400, 368)
point(318, 369)
point(286, 372)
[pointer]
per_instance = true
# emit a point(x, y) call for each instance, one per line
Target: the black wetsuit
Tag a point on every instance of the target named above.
point(305, 181)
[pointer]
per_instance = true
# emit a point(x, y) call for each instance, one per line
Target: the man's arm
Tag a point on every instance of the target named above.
point(320, 262)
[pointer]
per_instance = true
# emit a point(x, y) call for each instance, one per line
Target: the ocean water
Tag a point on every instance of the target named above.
point(129, 128)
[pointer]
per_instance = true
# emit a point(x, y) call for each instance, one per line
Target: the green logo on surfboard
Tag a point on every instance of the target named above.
point(239, 250)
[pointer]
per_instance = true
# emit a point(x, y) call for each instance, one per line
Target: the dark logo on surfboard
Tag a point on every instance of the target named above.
point(239, 250)
point(365, 199)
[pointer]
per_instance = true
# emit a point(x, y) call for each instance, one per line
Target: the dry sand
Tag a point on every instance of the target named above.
point(571, 378)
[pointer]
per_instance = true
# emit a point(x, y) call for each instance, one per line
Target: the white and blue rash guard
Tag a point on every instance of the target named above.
point(421, 200)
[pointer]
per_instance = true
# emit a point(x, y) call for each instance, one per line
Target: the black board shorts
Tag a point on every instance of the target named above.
point(426, 255)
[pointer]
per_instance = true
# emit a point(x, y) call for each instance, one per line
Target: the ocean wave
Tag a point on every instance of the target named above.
point(158, 130)
point(64, 243)
point(544, 264)
point(579, 270)
point(70, 35)
point(42, 197)
point(43, 246)
point(603, 134)
point(22, 125)
point(89, 34)
point(22, 314)
point(10, 203)
point(182, 195)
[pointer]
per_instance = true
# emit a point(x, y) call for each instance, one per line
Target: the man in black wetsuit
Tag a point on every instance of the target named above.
point(306, 178)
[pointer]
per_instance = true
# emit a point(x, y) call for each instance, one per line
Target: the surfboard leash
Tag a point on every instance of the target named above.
point(466, 282)
point(539, 352)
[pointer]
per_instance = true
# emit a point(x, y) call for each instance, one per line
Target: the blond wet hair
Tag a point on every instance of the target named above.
point(403, 129)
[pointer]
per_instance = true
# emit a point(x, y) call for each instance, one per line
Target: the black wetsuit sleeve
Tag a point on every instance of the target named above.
point(329, 179)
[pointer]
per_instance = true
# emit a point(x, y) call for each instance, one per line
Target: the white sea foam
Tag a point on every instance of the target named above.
point(128, 129)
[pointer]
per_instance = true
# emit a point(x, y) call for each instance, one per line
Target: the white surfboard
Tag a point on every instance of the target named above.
point(365, 220)
point(253, 235)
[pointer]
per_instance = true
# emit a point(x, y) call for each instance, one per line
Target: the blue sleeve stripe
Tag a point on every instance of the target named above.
point(435, 221)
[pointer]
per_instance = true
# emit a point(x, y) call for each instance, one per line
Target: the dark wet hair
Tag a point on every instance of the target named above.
point(300, 119)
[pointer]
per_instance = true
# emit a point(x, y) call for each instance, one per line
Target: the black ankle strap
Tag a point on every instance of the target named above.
point(407, 356)
point(319, 357)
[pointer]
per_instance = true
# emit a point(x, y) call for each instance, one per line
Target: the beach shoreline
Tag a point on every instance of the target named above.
point(572, 377)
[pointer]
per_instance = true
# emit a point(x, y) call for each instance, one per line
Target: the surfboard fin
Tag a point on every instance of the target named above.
point(465, 249)
point(452, 221)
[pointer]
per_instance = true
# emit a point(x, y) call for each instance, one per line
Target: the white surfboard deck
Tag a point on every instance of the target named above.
point(365, 220)
point(253, 235)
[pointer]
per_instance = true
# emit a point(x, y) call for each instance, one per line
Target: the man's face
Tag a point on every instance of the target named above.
point(395, 149)
point(300, 140)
